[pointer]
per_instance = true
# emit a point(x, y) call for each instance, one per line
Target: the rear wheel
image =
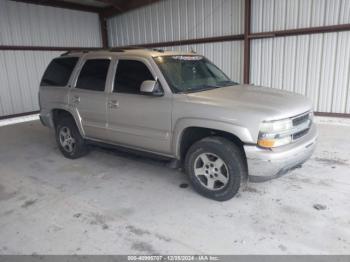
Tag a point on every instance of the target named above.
point(215, 167)
point(69, 140)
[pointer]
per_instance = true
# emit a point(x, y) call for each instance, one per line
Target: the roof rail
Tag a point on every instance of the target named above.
point(112, 49)
point(83, 51)
point(76, 51)
point(158, 50)
point(123, 49)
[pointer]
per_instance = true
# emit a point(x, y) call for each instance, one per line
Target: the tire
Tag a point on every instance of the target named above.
point(227, 169)
point(69, 140)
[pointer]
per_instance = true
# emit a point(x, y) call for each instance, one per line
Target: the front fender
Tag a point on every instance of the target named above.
point(239, 131)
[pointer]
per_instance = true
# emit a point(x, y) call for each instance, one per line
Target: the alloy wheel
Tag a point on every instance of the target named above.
point(66, 140)
point(211, 171)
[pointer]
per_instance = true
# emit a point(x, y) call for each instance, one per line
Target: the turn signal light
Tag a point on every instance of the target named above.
point(274, 142)
point(266, 143)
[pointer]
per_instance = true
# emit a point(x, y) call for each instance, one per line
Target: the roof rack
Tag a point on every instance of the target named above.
point(122, 49)
point(158, 50)
point(112, 49)
point(76, 51)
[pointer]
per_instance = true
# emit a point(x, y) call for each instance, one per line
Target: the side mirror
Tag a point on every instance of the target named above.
point(151, 88)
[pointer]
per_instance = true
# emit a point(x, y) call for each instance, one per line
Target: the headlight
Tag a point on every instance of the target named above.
point(276, 126)
point(311, 116)
point(275, 133)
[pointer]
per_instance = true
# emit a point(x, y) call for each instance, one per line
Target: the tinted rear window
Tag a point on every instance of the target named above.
point(59, 71)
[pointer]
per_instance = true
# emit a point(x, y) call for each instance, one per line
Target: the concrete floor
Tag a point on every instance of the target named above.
point(117, 203)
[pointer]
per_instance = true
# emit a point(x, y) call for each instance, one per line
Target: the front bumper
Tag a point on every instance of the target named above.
point(265, 164)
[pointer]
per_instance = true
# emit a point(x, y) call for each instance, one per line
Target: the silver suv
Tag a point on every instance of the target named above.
point(181, 106)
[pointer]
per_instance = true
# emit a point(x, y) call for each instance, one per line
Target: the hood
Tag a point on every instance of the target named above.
point(270, 103)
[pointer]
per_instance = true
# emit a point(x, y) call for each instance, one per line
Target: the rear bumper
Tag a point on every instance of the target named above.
point(266, 164)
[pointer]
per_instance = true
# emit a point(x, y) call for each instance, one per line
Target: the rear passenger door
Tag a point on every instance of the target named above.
point(137, 120)
point(54, 83)
point(89, 98)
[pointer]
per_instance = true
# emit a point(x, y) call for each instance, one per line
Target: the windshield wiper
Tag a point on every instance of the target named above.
point(221, 84)
point(228, 82)
point(198, 90)
point(208, 87)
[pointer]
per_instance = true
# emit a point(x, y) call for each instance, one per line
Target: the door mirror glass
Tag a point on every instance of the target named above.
point(151, 88)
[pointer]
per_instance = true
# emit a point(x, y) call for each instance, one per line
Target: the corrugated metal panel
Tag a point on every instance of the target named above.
point(317, 66)
point(270, 15)
point(20, 74)
point(27, 24)
point(226, 55)
point(172, 20)
point(34, 25)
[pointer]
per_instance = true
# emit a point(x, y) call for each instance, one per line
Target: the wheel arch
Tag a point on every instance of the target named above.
point(57, 113)
point(192, 134)
point(198, 128)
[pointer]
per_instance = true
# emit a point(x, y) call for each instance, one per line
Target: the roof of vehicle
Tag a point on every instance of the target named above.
point(132, 52)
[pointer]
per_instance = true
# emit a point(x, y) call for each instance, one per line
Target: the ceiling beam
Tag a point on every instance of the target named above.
point(116, 6)
point(301, 31)
point(113, 3)
point(187, 42)
point(62, 4)
point(44, 48)
point(122, 6)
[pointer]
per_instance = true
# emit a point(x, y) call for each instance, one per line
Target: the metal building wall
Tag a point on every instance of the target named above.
point(317, 66)
point(273, 15)
point(20, 73)
point(172, 20)
point(33, 25)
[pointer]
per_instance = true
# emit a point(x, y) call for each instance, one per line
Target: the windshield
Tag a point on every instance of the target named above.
point(191, 73)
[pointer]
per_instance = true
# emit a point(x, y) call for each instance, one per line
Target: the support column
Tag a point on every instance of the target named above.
point(104, 34)
point(247, 19)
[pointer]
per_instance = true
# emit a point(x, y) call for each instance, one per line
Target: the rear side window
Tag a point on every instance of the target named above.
point(93, 75)
point(59, 71)
point(130, 75)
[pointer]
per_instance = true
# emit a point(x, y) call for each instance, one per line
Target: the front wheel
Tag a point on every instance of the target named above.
point(215, 167)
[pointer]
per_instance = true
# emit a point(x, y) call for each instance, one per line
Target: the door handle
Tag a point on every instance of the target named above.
point(113, 104)
point(76, 99)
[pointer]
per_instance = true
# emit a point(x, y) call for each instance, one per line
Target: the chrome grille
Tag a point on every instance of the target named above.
point(300, 134)
point(301, 125)
point(300, 119)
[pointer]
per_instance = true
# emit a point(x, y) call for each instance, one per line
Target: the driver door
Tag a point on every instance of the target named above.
point(136, 120)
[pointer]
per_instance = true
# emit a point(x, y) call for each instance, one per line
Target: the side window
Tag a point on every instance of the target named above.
point(130, 75)
point(93, 75)
point(59, 71)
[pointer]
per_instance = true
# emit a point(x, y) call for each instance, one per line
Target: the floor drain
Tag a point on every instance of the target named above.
point(184, 185)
